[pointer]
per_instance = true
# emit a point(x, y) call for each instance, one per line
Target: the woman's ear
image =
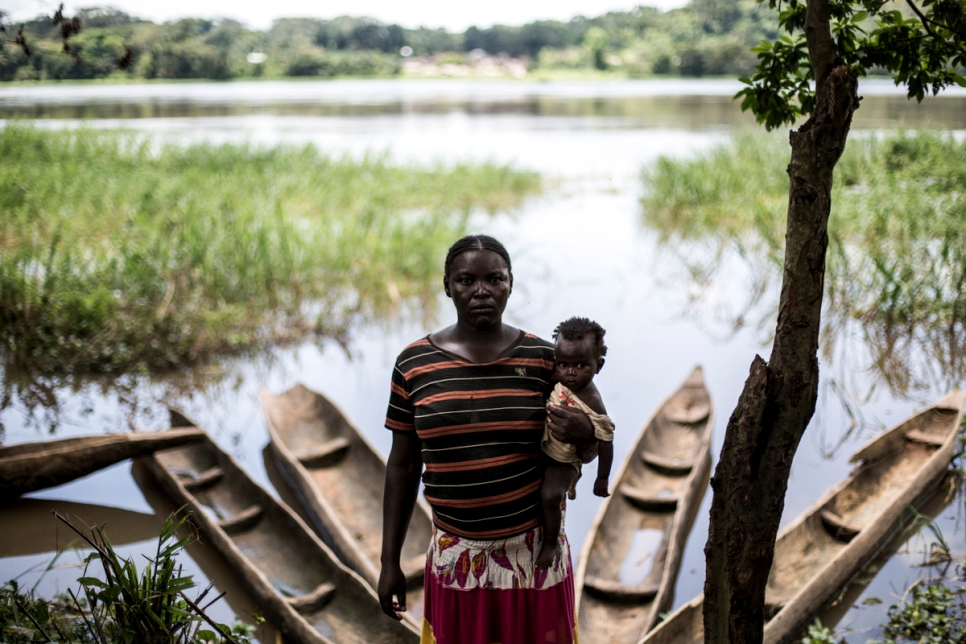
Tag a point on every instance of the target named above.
point(600, 365)
point(446, 287)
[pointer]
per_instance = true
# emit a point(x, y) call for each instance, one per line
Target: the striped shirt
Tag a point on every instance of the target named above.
point(480, 426)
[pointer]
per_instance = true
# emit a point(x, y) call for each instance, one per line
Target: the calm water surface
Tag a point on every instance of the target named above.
point(579, 249)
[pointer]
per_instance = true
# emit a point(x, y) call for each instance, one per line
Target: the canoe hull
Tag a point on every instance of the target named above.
point(836, 537)
point(629, 563)
point(34, 466)
point(340, 479)
point(294, 577)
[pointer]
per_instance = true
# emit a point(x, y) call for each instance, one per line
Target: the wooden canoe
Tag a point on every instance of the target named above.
point(630, 559)
point(29, 527)
point(339, 480)
point(833, 540)
point(34, 466)
point(297, 580)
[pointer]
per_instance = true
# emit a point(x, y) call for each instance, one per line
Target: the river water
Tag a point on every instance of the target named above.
point(578, 249)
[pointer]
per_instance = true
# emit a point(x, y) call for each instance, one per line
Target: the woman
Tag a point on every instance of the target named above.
point(468, 402)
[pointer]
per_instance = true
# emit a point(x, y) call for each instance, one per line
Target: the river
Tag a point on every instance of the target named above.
point(578, 249)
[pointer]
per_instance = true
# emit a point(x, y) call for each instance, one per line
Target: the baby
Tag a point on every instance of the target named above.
point(578, 356)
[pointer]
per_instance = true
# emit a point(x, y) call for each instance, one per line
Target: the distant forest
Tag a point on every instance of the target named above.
point(704, 38)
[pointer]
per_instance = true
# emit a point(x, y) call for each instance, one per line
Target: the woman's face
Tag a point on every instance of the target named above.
point(479, 283)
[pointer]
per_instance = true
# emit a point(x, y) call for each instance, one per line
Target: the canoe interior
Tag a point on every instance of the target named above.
point(277, 545)
point(345, 470)
point(802, 551)
point(659, 488)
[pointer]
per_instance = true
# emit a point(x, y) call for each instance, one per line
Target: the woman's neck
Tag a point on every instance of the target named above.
point(475, 344)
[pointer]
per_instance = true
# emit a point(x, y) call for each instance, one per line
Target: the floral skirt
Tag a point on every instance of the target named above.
point(490, 592)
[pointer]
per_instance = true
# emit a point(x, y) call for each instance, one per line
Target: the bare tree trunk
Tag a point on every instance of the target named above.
point(779, 396)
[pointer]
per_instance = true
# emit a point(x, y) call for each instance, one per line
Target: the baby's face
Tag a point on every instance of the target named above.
point(576, 362)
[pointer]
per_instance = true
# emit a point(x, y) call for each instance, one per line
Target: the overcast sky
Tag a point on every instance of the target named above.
point(453, 15)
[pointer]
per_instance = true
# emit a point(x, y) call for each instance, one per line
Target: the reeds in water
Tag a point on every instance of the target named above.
point(120, 252)
point(897, 238)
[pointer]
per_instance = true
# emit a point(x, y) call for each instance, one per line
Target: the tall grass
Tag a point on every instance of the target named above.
point(118, 251)
point(897, 235)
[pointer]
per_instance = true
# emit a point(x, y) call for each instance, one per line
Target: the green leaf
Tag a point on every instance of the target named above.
point(860, 16)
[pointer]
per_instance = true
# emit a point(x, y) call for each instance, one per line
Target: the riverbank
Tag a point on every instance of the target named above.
point(122, 252)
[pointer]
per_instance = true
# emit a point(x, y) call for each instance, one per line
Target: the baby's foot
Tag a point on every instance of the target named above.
point(545, 556)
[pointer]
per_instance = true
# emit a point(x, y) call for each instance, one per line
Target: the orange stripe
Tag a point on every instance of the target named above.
point(491, 534)
point(470, 395)
point(395, 424)
point(504, 362)
point(436, 366)
point(488, 500)
point(481, 427)
point(399, 391)
point(418, 343)
point(479, 463)
point(527, 362)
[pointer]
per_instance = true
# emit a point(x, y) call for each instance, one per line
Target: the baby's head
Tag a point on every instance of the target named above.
point(579, 352)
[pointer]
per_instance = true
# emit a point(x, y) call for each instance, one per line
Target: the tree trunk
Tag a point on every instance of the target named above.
point(779, 396)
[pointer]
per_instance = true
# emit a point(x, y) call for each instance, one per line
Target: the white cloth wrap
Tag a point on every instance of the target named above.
point(565, 452)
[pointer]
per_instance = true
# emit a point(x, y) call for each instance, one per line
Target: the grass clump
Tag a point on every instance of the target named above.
point(897, 234)
point(128, 606)
point(119, 252)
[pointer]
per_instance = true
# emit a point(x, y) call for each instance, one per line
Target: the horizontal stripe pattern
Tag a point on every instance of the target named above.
point(480, 427)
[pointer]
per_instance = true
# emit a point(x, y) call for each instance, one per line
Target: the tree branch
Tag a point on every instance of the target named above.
point(818, 37)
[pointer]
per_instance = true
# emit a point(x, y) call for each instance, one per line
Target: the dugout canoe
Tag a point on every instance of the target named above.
point(29, 527)
point(339, 479)
point(34, 466)
point(834, 539)
point(296, 579)
point(630, 559)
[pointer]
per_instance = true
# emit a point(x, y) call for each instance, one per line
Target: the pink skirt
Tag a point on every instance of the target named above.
point(490, 592)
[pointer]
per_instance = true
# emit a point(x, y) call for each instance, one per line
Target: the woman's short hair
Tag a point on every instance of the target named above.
point(475, 242)
point(576, 328)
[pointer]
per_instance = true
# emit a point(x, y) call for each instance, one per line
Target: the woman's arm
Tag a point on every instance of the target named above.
point(402, 487)
point(570, 425)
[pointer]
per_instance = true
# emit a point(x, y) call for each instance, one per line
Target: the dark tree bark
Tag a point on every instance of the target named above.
point(779, 396)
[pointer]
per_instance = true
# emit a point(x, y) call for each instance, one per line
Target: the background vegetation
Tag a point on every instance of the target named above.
point(119, 252)
point(706, 37)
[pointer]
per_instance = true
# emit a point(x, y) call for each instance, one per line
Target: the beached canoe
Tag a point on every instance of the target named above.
point(297, 580)
point(34, 466)
point(630, 559)
point(833, 540)
point(339, 479)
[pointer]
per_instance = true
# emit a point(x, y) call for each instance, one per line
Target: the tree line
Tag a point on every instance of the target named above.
point(706, 37)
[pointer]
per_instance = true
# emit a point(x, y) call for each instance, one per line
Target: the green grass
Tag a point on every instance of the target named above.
point(118, 252)
point(127, 606)
point(897, 234)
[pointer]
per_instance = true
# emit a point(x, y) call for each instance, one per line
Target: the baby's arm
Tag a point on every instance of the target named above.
point(605, 453)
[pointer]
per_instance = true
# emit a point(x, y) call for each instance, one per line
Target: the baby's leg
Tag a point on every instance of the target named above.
point(556, 481)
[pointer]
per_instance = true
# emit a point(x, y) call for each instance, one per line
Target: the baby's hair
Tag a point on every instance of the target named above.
point(575, 328)
point(475, 242)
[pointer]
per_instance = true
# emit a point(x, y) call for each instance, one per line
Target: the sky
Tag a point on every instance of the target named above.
point(453, 15)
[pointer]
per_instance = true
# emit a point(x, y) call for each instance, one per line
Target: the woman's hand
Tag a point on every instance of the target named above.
point(570, 425)
point(392, 581)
